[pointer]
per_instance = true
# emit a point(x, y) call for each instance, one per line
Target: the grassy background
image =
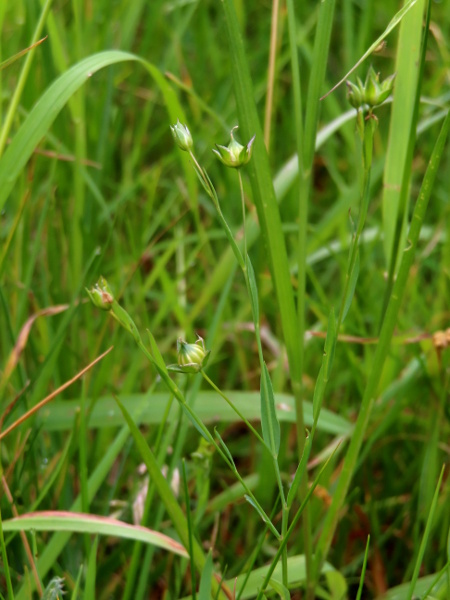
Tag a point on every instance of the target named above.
point(107, 193)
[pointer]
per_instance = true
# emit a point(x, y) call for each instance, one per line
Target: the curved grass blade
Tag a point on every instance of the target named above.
point(56, 97)
point(269, 422)
point(396, 19)
point(426, 535)
point(12, 59)
point(54, 520)
point(60, 415)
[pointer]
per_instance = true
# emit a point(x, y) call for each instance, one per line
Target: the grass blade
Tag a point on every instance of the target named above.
point(425, 537)
point(269, 421)
point(407, 68)
point(94, 525)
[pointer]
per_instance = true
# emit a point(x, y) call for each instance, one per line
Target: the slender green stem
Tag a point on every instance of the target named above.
point(236, 410)
point(367, 163)
point(241, 188)
point(271, 71)
point(284, 554)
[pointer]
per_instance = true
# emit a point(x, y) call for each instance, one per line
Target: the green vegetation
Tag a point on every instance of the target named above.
point(224, 374)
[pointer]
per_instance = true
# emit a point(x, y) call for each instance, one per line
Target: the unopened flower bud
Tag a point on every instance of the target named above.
point(190, 354)
point(354, 95)
point(235, 154)
point(101, 295)
point(182, 136)
point(191, 357)
point(371, 92)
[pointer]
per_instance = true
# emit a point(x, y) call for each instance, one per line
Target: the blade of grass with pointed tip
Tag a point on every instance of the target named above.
point(91, 572)
point(407, 68)
point(327, 362)
point(12, 59)
point(301, 469)
point(396, 19)
point(399, 211)
point(363, 570)
point(353, 278)
point(94, 525)
point(204, 592)
point(60, 415)
point(425, 537)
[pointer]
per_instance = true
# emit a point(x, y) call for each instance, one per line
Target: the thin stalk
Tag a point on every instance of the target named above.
point(241, 189)
point(284, 555)
point(271, 71)
point(189, 526)
point(367, 165)
point(231, 405)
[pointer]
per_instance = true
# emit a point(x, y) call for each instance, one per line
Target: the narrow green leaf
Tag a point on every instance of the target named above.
point(363, 570)
point(189, 525)
point(257, 508)
point(159, 360)
point(280, 589)
point(325, 368)
point(396, 19)
point(204, 591)
point(319, 391)
point(14, 57)
point(330, 343)
point(77, 584)
point(425, 537)
point(60, 415)
point(337, 585)
point(353, 278)
point(301, 469)
point(407, 67)
point(269, 421)
point(225, 448)
point(252, 290)
point(91, 573)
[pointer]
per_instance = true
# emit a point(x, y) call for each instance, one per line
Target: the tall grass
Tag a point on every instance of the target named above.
point(317, 275)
